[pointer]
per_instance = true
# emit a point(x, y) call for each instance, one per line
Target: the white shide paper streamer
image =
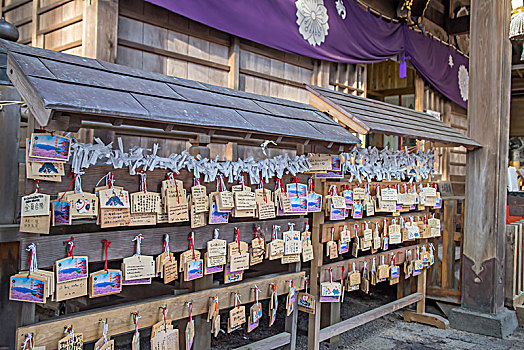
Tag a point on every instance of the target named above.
point(376, 164)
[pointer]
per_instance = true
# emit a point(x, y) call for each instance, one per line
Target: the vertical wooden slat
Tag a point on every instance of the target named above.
point(292, 321)
point(419, 93)
point(36, 39)
point(323, 74)
point(233, 77)
point(421, 288)
point(448, 244)
point(100, 29)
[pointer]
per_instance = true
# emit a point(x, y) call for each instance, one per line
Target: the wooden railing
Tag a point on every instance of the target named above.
point(445, 276)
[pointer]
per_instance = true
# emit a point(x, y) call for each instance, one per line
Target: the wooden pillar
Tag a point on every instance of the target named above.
point(233, 77)
point(100, 29)
point(488, 123)
point(419, 93)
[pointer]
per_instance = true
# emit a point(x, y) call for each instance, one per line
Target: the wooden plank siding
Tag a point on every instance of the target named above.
point(157, 40)
point(451, 161)
point(51, 24)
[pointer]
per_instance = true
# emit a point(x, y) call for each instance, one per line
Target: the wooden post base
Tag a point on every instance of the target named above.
point(425, 318)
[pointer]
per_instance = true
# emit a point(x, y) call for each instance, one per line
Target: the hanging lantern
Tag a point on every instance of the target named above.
point(412, 11)
point(516, 24)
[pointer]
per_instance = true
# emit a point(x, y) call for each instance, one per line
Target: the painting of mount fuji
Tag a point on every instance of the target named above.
point(71, 268)
point(61, 212)
point(105, 282)
point(23, 288)
point(49, 146)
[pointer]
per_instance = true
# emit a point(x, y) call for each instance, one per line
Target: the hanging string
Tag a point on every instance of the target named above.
point(69, 330)
point(294, 179)
point(262, 185)
point(332, 190)
point(67, 189)
point(238, 239)
point(307, 284)
point(33, 264)
point(192, 244)
point(332, 234)
point(139, 238)
point(196, 181)
point(330, 275)
point(241, 182)
point(237, 300)
point(280, 184)
point(78, 183)
point(275, 228)
point(135, 322)
point(70, 244)
point(171, 176)
point(190, 306)
point(310, 185)
point(256, 294)
point(164, 317)
point(29, 342)
point(108, 178)
point(215, 301)
point(37, 186)
point(257, 234)
point(107, 245)
point(143, 183)
point(104, 331)
point(216, 232)
point(166, 247)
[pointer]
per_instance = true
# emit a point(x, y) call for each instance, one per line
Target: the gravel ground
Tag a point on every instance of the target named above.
point(389, 332)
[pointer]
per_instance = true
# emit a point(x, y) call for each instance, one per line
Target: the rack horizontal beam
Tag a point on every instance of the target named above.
point(359, 320)
point(49, 248)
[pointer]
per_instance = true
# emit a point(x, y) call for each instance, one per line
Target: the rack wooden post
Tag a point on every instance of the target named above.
point(316, 263)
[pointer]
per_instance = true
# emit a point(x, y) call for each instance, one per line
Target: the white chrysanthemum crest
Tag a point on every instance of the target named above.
point(312, 20)
point(463, 82)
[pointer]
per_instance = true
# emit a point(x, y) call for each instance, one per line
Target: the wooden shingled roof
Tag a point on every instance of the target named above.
point(364, 116)
point(62, 86)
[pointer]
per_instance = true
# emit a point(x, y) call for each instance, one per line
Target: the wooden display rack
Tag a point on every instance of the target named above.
point(145, 109)
point(320, 273)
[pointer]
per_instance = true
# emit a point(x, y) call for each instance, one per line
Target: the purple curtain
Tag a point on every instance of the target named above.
point(333, 30)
